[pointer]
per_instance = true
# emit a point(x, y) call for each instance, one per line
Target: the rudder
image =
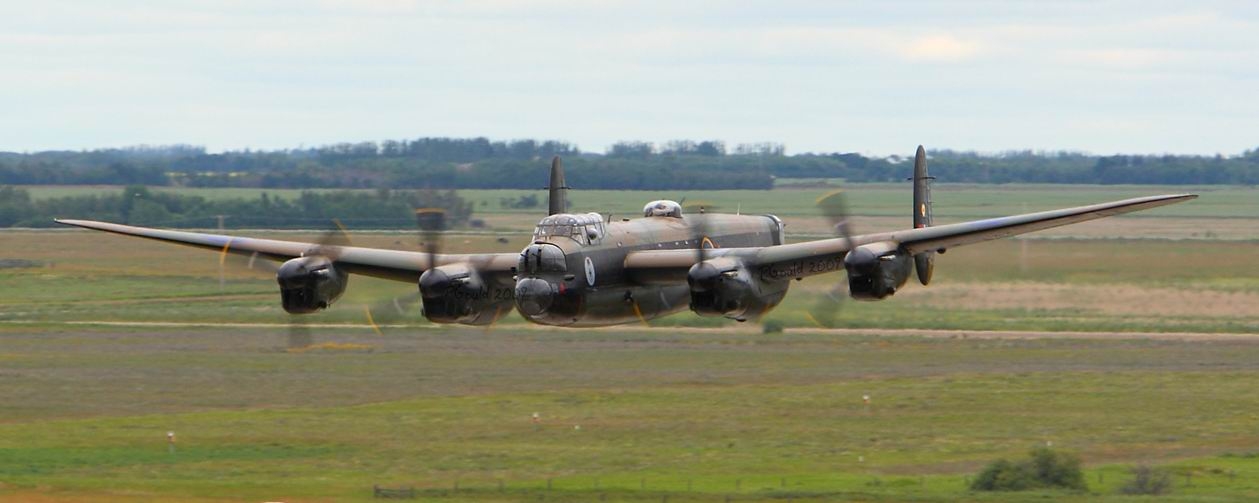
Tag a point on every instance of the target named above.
point(924, 262)
point(556, 189)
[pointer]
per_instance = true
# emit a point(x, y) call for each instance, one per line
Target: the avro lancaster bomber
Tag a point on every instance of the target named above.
point(581, 270)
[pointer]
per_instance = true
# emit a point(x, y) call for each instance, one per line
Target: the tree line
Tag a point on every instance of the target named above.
point(137, 205)
point(447, 163)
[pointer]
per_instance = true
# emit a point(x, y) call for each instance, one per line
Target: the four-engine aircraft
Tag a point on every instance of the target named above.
point(586, 270)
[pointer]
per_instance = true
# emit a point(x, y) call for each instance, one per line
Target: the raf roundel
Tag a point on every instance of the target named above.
point(590, 272)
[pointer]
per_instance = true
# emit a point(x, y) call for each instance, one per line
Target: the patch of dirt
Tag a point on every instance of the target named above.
point(1113, 300)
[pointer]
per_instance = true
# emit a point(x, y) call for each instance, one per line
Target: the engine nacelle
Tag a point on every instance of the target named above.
point(456, 293)
point(725, 287)
point(877, 270)
point(309, 284)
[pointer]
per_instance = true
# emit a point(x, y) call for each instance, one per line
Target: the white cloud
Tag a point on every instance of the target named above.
point(940, 48)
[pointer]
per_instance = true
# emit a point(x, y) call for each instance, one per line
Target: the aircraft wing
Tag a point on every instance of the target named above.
point(817, 257)
point(388, 264)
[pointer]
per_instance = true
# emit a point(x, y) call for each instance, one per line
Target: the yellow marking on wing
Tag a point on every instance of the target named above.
point(639, 312)
point(367, 310)
point(827, 195)
point(498, 315)
point(765, 311)
point(223, 254)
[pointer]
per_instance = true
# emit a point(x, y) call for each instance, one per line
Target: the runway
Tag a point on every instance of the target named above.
point(667, 330)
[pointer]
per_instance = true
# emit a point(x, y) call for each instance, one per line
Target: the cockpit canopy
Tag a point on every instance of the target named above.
point(663, 208)
point(585, 228)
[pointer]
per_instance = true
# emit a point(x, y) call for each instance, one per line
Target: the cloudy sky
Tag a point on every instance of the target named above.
point(877, 77)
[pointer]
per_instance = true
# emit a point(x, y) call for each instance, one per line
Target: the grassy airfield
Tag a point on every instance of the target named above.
point(701, 410)
point(872, 199)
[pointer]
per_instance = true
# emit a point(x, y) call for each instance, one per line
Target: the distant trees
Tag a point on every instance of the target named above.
point(465, 149)
point(631, 150)
point(762, 149)
point(709, 148)
point(671, 148)
point(15, 206)
point(438, 163)
point(138, 205)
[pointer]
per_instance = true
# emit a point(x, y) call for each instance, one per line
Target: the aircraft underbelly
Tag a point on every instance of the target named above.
point(613, 305)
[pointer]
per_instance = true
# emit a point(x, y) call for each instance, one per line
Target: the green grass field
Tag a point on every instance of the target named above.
point(692, 409)
point(952, 200)
point(1087, 285)
point(631, 415)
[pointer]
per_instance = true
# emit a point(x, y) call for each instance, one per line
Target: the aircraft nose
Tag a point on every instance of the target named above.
point(534, 296)
point(541, 258)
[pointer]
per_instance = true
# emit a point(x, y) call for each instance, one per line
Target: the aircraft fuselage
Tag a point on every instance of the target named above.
point(591, 288)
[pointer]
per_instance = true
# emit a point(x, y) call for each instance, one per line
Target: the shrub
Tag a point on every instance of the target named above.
point(1045, 469)
point(1056, 469)
point(772, 327)
point(1002, 475)
point(1146, 480)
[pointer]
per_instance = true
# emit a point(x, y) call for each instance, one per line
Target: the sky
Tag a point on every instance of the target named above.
point(876, 77)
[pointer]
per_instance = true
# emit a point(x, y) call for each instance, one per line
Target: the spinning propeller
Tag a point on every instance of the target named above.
point(834, 207)
point(329, 246)
point(703, 276)
point(431, 221)
point(451, 290)
point(385, 312)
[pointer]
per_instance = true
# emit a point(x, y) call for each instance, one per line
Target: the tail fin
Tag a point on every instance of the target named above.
point(924, 262)
point(558, 202)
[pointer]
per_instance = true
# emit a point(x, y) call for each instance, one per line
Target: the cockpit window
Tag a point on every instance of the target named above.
point(585, 229)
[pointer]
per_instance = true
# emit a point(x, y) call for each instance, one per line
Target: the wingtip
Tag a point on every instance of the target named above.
point(74, 222)
point(1173, 198)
